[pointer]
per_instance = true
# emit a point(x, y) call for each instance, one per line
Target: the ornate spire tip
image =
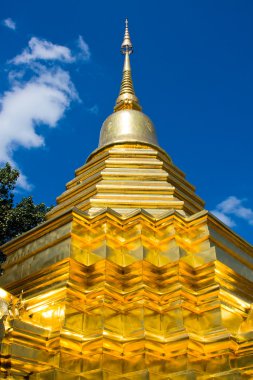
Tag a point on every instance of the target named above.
point(127, 98)
point(126, 46)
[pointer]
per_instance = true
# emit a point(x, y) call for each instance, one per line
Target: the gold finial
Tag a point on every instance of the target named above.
point(127, 98)
point(126, 46)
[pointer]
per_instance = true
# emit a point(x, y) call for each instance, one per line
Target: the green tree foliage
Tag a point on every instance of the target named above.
point(19, 218)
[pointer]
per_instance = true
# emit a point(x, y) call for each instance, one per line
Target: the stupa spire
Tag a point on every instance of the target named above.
point(127, 98)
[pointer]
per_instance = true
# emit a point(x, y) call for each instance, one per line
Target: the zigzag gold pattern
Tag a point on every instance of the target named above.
point(133, 298)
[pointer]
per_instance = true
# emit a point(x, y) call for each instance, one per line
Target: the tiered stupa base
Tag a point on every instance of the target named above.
point(133, 298)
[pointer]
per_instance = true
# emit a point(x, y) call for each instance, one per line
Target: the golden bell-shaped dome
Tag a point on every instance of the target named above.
point(127, 125)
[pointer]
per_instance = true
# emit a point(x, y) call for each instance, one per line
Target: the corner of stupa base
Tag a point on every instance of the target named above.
point(133, 297)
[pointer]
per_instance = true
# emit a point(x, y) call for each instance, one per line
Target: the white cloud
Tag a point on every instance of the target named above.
point(94, 109)
point(43, 50)
point(42, 99)
point(22, 181)
point(9, 23)
point(233, 207)
point(84, 49)
point(224, 218)
point(229, 205)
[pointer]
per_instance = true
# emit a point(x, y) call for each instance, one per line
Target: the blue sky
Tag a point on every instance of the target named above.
point(61, 68)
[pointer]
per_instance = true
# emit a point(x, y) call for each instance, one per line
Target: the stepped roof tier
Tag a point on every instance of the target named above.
point(130, 278)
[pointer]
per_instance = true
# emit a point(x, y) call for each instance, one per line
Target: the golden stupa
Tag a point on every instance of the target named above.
point(129, 277)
